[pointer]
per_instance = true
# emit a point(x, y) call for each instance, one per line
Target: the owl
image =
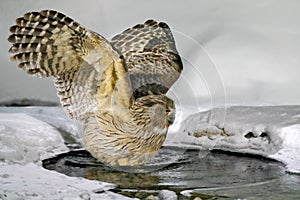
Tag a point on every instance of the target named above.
point(116, 89)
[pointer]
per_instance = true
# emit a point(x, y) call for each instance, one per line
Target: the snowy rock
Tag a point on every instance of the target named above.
point(24, 139)
point(54, 116)
point(167, 195)
point(289, 153)
point(270, 131)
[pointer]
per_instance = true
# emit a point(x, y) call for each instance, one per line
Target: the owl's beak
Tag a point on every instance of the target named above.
point(171, 117)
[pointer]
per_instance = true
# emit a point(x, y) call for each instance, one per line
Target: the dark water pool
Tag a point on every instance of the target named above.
point(189, 173)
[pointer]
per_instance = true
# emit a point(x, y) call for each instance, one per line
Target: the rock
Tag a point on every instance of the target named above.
point(167, 195)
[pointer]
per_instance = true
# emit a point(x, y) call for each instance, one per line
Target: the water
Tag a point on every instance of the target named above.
point(189, 173)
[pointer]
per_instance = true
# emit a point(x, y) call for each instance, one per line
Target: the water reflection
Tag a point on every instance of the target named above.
point(123, 179)
point(215, 174)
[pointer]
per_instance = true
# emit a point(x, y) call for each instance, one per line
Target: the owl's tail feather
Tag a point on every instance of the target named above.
point(46, 43)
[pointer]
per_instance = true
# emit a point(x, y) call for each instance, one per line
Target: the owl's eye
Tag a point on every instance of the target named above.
point(168, 110)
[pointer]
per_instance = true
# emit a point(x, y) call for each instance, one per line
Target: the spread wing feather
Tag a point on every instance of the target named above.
point(88, 73)
point(151, 57)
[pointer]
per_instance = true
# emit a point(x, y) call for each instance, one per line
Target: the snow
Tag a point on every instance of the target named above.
point(167, 195)
point(290, 152)
point(269, 131)
point(31, 181)
point(25, 141)
point(54, 116)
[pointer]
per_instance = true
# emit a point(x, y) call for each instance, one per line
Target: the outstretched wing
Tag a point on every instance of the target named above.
point(151, 57)
point(88, 73)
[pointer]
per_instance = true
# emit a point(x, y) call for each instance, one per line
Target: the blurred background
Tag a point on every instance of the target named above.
point(234, 51)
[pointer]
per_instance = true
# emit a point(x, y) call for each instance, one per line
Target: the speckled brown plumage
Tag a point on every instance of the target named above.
point(115, 89)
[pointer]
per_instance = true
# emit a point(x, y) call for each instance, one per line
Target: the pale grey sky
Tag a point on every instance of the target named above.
point(252, 47)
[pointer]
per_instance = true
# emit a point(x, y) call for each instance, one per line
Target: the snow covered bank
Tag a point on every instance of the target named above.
point(25, 139)
point(270, 131)
point(24, 142)
point(30, 134)
point(54, 116)
point(31, 181)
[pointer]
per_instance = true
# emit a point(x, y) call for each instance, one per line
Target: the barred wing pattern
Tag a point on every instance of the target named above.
point(84, 65)
point(151, 57)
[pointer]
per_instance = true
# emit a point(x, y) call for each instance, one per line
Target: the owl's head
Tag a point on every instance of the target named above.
point(160, 109)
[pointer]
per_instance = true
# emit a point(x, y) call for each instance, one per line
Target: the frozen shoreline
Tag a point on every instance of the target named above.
point(25, 141)
point(269, 131)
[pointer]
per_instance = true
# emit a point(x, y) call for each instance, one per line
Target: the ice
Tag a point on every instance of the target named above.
point(269, 131)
